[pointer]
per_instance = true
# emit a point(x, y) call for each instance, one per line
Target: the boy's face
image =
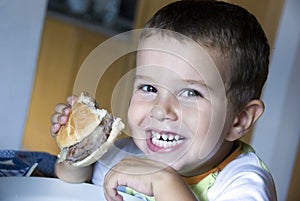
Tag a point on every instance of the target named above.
point(178, 106)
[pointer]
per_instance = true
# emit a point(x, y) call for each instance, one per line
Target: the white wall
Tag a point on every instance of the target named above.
point(276, 134)
point(21, 24)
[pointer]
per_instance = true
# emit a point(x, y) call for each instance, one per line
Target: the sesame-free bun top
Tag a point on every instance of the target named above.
point(83, 119)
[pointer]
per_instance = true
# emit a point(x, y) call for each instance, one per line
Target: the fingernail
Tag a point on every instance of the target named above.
point(66, 111)
point(54, 129)
point(62, 119)
point(56, 126)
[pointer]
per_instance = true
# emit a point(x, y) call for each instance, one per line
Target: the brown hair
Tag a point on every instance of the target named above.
point(229, 29)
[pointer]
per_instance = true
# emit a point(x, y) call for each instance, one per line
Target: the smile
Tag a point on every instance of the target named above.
point(165, 140)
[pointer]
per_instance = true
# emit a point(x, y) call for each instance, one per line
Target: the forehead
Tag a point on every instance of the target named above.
point(184, 56)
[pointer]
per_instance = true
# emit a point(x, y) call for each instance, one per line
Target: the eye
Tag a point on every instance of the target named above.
point(148, 88)
point(191, 93)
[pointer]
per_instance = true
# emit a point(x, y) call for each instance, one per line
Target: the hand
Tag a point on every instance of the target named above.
point(147, 177)
point(61, 114)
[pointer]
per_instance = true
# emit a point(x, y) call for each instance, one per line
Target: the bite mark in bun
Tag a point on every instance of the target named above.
point(88, 134)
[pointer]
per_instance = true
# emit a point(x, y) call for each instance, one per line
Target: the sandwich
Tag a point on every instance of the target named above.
point(88, 134)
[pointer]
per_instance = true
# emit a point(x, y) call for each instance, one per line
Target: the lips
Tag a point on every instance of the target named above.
point(163, 141)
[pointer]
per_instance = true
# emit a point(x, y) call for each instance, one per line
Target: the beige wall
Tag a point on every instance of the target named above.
point(63, 49)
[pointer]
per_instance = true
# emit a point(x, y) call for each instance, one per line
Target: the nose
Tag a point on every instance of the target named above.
point(165, 108)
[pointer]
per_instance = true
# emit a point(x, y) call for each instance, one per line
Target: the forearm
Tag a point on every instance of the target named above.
point(172, 187)
point(71, 174)
point(147, 177)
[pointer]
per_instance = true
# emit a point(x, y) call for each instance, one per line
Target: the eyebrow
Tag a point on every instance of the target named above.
point(189, 81)
point(196, 82)
point(201, 82)
point(143, 77)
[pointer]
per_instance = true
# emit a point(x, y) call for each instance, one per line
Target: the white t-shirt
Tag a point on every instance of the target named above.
point(243, 179)
point(122, 148)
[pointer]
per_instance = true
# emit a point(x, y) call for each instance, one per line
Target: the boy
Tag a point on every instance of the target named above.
point(201, 67)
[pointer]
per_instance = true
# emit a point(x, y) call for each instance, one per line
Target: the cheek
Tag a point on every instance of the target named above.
point(198, 120)
point(132, 115)
point(137, 112)
point(209, 135)
point(136, 119)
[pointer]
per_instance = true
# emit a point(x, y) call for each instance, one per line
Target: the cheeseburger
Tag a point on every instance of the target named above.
point(88, 134)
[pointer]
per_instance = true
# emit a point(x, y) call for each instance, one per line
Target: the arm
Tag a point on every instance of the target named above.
point(147, 177)
point(172, 187)
point(63, 170)
point(72, 174)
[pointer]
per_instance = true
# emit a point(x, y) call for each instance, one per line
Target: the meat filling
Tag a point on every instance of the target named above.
point(92, 142)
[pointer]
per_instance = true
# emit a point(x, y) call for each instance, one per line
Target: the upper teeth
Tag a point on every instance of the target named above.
point(165, 140)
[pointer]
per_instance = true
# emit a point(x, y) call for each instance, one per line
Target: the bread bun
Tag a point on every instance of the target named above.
point(82, 121)
point(88, 134)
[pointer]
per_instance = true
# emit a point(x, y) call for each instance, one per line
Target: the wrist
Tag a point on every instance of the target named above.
point(72, 174)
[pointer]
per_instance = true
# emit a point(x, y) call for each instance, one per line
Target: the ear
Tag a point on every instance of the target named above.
point(244, 121)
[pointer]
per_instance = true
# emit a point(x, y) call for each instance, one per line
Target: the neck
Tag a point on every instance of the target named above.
point(224, 150)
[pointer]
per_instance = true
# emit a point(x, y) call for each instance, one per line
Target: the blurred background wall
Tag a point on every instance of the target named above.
point(276, 135)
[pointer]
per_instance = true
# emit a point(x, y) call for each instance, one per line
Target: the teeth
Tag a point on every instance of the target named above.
point(165, 140)
point(164, 137)
point(155, 135)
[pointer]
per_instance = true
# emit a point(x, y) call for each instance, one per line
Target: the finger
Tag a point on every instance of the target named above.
point(67, 110)
point(54, 129)
point(63, 119)
point(55, 118)
point(110, 187)
point(71, 99)
point(58, 118)
point(59, 108)
point(111, 194)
